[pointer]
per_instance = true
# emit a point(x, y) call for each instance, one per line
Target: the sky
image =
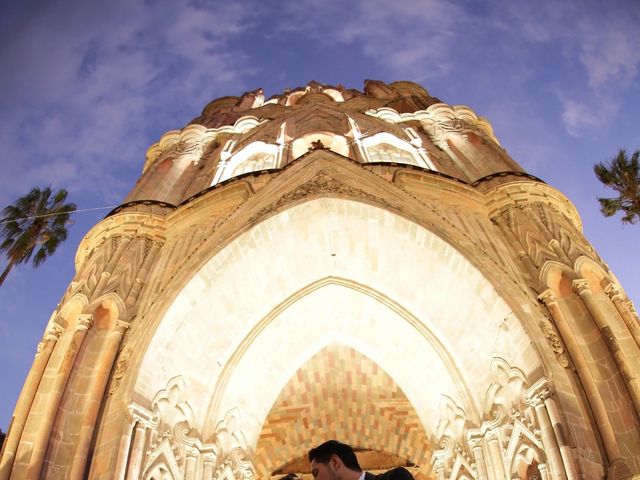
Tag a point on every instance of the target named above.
point(87, 86)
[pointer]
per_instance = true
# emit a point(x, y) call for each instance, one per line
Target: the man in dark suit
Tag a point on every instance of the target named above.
point(334, 460)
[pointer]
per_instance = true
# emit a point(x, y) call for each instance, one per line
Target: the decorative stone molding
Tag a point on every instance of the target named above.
point(122, 364)
point(116, 227)
point(539, 392)
point(554, 341)
point(321, 182)
point(195, 140)
point(84, 322)
point(504, 395)
point(253, 157)
point(508, 441)
point(139, 414)
point(439, 120)
point(53, 333)
point(581, 286)
point(527, 193)
point(614, 292)
point(175, 448)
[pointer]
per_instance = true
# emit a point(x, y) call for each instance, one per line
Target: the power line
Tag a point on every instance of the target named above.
point(59, 213)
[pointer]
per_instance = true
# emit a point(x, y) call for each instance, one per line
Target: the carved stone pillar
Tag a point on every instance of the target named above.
point(94, 397)
point(191, 463)
point(438, 468)
point(41, 440)
point(623, 309)
point(26, 397)
point(137, 451)
point(207, 468)
point(536, 397)
point(592, 395)
point(565, 450)
point(475, 443)
point(581, 286)
point(123, 452)
point(544, 471)
point(497, 462)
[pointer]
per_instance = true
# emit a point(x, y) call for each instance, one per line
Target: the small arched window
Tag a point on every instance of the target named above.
point(257, 161)
point(255, 156)
point(383, 152)
point(384, 147)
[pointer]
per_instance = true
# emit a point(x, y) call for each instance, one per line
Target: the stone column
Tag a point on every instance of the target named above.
point(544, 471)
point(191, 463)
point(41, 440)
point(438, 468)
point(581, 286)
point(101, 374)
point(207, 470)
point(623, 309)
point(25, 400)
point(592, 396)
point(137, 451)
point(495, 454)
point(475, 443)
point(123, 452)
point(565, 450)
point(536, 398)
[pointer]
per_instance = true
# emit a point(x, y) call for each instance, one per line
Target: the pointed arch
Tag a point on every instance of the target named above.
point(426, 310)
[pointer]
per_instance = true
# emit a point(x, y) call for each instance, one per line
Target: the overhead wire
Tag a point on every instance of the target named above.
point(5, 220)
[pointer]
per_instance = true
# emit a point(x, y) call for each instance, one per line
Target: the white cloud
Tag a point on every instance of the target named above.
point(413, 38)
point(578, 116)
point(83, 78)
point(603, 39)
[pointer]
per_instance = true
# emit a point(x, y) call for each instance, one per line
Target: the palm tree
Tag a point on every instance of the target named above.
point(36, 221)
point(622, 173)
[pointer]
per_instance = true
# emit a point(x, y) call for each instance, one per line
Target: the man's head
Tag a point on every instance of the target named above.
point(334, 460)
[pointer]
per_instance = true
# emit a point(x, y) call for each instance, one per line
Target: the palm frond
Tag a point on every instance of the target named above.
point(621, 174)
point(35, 222)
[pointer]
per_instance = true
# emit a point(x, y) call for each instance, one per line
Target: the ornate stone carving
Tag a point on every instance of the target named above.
point(554, 341)
point(175, 448)
point(505, 393)
point(581, 286)
point(320, 183)
point(120, 369)
point(506, 443)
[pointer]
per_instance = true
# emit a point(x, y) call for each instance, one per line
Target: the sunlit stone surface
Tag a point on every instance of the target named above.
point(329, 263)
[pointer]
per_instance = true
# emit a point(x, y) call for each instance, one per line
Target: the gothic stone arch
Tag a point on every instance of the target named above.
point(458, 325)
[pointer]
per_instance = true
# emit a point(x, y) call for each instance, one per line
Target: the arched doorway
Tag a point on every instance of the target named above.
point(326, 274)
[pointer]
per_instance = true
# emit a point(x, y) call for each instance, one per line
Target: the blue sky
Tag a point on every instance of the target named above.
point(87, 86)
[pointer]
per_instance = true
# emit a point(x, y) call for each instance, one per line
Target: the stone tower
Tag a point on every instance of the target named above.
point(329, 263)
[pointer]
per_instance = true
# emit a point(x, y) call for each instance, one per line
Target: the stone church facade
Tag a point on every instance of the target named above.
point(329, 263)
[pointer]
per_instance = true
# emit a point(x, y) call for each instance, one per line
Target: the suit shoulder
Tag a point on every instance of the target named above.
point(398, 473)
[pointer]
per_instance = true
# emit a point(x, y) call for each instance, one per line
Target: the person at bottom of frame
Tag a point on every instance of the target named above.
point(335, 460)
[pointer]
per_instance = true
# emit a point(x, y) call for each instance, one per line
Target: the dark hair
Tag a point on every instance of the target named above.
point(322, 454)
point(289, 476)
